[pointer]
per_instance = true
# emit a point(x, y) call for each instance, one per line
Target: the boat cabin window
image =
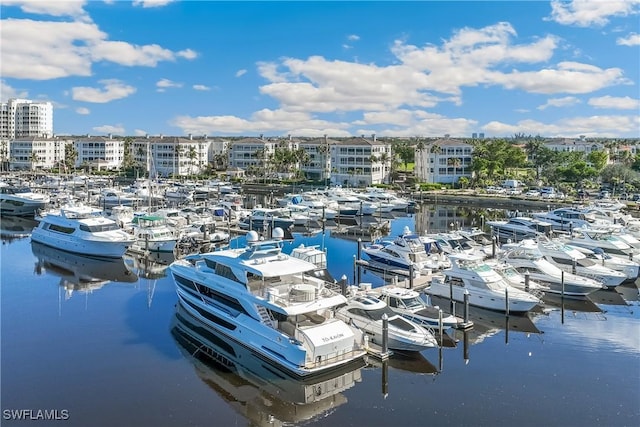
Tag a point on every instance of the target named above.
point(225, 271)
point(96, 228)
point(61, 229)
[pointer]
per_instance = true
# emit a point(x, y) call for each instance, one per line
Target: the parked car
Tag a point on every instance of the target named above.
point(532, 193)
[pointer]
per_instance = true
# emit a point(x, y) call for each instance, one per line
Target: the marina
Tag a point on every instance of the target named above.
point(116, 331)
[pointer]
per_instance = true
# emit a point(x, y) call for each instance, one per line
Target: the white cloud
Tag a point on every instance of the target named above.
point(114, 130)
point(42, 50)
point(140, 132)
point(201, 87)
point(618, 103)
point(241, 73)
point(113, 89)
point(152, 3)
point(74, 8)
point(353, 37)
point(572, 127)
point(585, 13)
point(633, 39)
point(83, 111)
point(187, 54)
point(567, 77)
point(567, 101)
point(7, 92)
point(264, 120)
point(163, 84)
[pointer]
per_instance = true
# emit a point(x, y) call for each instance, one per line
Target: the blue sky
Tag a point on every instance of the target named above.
point(337, 68)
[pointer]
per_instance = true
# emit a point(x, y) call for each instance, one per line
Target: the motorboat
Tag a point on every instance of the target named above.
point(630, 268)
point(271, 303)
point(526, 257)
point(258, 390)
point(485, 287)
point(152, 233)
point(84, 230)
point(367, 313)
point(570, 259)
point(602, 238)
point(564, 219)
point(110, 197)
point(412, 306)
point(21, 201)
point(406, 252)
point(518, 228)
point(264, 218)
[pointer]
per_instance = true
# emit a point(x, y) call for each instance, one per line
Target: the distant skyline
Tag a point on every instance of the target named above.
point(403, 69)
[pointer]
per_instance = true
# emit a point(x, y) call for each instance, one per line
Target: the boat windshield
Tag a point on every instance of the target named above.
point(97, 228)
point(413, 302)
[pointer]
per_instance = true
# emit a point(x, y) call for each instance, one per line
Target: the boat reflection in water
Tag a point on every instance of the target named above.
point(16, 227)
point(80, 273)
point(487, 323)
point(152, 265)
point(260, 391)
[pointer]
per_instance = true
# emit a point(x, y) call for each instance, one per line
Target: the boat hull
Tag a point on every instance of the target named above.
point(495, 302)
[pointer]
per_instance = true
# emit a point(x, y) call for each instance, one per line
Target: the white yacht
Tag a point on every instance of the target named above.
point(564, 219)
point(263, 218)
point(82, 229)
point(485, 286)
point(20, 201)
point(152, 233)
point(570, 259)
point(592, 238)
point(519, 227)
point(366, 312)
point(410, 305)
point(271, 303)
point(630, 268)
point(526, 257)
point(406, 251)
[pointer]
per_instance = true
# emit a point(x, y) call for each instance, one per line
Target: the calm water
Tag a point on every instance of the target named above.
point(113, 353)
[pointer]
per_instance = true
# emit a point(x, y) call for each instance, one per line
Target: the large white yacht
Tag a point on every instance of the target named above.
point(84, 230)
point(21, 201)
point(485, 286)
point(271, 303)
point(526, 257)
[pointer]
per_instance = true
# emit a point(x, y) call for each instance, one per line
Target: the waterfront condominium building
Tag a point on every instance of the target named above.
point(22, 118)
point(99, 152)
point(252, 155)
point(443, 161)
point(360, 161)
point(35, 153)
point(318, 164)
point(171, 156)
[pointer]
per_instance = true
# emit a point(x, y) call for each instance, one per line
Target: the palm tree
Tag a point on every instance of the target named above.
point(70, 155)
point(192, 154)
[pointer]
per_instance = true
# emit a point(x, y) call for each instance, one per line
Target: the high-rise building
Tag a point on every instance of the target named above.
point(21, 118)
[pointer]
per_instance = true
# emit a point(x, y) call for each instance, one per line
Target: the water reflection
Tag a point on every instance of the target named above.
point(15, 227)
point(259, 391)
point(152, 265)
point(80, 273)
